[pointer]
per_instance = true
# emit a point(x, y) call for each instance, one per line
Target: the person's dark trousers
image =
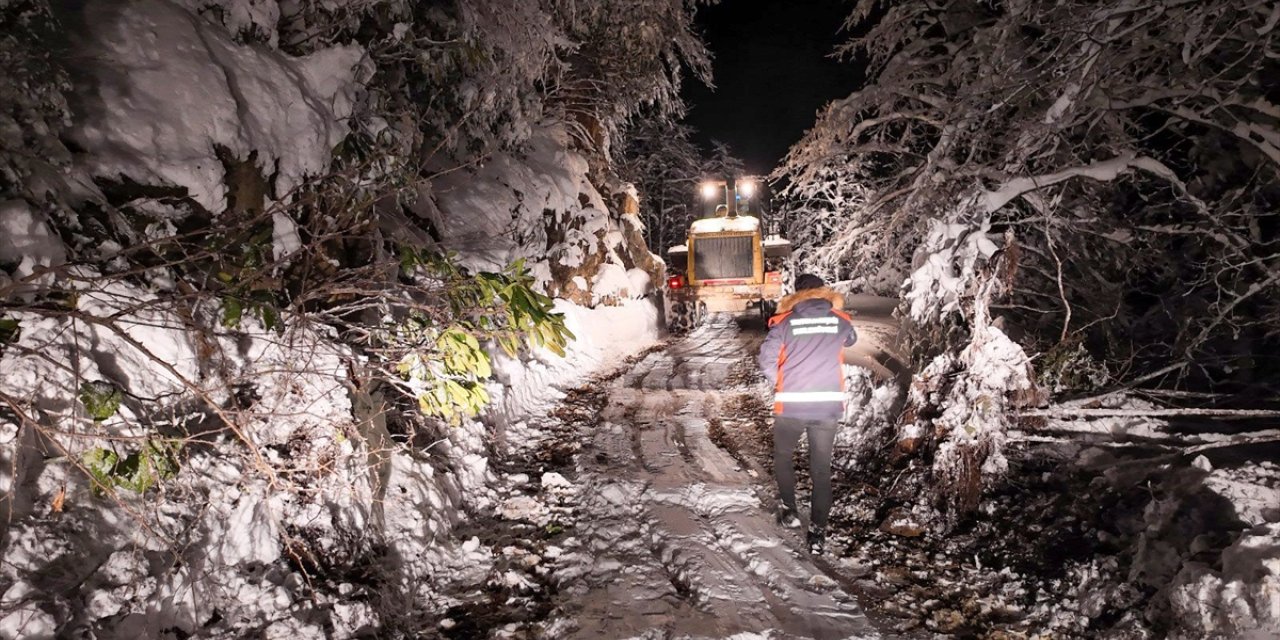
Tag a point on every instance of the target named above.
point(822, 437)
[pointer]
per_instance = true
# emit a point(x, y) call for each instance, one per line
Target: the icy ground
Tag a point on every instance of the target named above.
point(648, 529)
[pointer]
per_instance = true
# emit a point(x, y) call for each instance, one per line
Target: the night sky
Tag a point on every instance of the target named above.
point(772, 74)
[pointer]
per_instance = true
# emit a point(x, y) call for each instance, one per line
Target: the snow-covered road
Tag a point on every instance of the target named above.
point(675, 537)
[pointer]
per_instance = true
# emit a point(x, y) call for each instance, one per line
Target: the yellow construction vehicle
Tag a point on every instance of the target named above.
point(729, 263)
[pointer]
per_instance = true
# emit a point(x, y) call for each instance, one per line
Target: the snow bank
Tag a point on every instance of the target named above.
point(1236, 593)
point(142, 349)
point(307, 483)
point(162, 88)
point(497, 213)
point(295, 509)
point(606, 336)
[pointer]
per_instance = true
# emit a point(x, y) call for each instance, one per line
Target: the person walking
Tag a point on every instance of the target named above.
point(802, 357)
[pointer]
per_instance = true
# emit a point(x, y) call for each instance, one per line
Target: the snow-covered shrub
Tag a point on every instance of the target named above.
point(545, 207)
point(1068, 366)
point(972, 376)
point(469, 77)
point(286, 113)
point(947, 271)
point(815, 210)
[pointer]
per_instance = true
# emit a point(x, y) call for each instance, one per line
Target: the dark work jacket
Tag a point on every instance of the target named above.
point(803, 353)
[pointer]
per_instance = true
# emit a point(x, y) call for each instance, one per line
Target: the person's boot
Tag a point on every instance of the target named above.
point(787, 517)
point(817, 540)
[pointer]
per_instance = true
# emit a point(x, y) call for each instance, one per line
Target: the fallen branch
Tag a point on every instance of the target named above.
point(1258, 437)
point(1131, 386)
point(1183, 445)
point(1023, 436)
point(1072, 412)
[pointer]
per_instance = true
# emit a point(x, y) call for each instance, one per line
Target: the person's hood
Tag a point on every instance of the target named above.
point(821, 293)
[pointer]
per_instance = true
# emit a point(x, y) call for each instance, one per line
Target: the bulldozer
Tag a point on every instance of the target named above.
point(730, 262)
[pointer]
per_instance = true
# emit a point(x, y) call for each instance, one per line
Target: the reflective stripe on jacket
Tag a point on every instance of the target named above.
point(802, 355)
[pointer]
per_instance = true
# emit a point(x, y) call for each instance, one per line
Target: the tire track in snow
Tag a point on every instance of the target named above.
point(673, 538)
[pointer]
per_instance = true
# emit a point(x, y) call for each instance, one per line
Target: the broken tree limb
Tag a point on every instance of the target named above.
point(1131, 386)
point(1102, 171)
point(1023, 436)
point(1184, 445)
point(1075, 412)
point(1259, 437)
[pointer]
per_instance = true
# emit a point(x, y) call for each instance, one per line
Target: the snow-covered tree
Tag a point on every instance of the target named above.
point(476, 75)
point(720, 162)
point(665, 166)
point(1104, 175)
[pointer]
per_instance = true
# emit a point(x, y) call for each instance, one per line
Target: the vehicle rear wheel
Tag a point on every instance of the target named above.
point(768, 308)
point(683, 317)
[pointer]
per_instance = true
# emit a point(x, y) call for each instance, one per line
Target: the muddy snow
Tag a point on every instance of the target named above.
point(643, 511)
point(651, 530)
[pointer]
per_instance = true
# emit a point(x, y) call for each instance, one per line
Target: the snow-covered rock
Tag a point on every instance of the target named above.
point(1240, 600)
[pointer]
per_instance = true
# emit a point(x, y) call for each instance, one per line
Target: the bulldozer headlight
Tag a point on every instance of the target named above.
point(746, 189)
point(709, 190)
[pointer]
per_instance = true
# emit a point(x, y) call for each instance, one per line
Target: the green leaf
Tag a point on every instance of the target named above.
point(101, 464)
point(139, 471)
point(408, 259)
point(556, 349)
point(489, 309)
point(8, 330)
point(131, 474)
point(162, 458)
point(483, 369)
point(232, 312)
point(269, 316)
point(101, 399)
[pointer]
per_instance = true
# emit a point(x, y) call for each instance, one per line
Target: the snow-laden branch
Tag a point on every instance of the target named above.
point(864, 125)
point(1102, 171)
point(1266, 140)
